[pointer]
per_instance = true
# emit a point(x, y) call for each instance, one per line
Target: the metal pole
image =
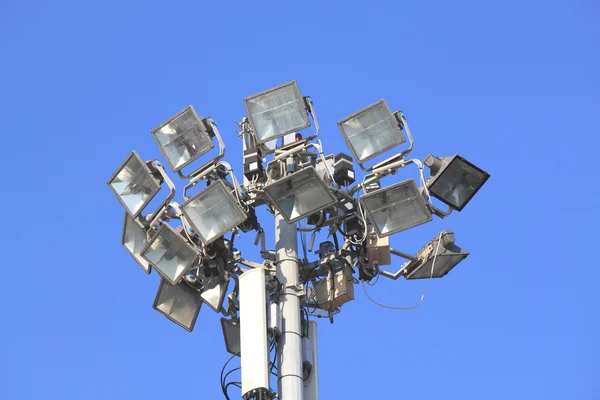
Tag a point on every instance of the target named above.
point(311, 384)
point(289, 352)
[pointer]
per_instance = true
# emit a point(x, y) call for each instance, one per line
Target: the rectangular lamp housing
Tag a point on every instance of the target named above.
point(277, 112)
point(170, 254)
point(454, 180)
point(371, 131)
point(299, 195)
point(133, 184)
point(179, 303)
point(396, 208)
point(213, 211)
point(183, 138)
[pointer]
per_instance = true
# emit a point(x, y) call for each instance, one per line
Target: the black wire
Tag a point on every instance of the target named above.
point(231, 241)
point(335, 242)
point(223, 386)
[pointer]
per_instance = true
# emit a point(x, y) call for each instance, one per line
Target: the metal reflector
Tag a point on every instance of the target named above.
point(454, 180)
point(299, 195)
point(183, 138)
point(180, 303)
point(214, 290)
point(170, 254)
point(371, 131)
point(213, 212)
point(134, 240)
point(396, 208)
point(133, 184)
point(277, 112)
point(448, 256)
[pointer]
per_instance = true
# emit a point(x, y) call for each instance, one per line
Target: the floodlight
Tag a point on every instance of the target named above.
point(231, 334)
point(134, 240)
point(183, 138)
point(133, 184)
point(299, 195)
point(454, 180)
point(213, 212)
point(277, 112)
point(180, 303)
point(371, 131)
point(170, 254)
point(214, 290)
point(448, 255)
point(396, 208)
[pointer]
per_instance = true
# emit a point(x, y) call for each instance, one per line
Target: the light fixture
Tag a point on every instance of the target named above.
point(213, 211)
point(454, 180)
point(180, 303)
point(214, 289)
point(170, 254)
point(396, 208)
point(231, 335)
point(299, 195)
point(277, 112)
point(447, 255)
point(183, 138)
point(371, 131)
point(133, 184)
point(134, 240)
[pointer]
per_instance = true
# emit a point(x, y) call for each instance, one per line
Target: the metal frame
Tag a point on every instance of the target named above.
point(300, 98)
point(154, 267)
point(143, 228)
point(361, 111)
point(203, 192)
point(389, 188)
point(202, 127)
point(146, 169)
point(447, 161)
point(160, 286)
point(291, 176)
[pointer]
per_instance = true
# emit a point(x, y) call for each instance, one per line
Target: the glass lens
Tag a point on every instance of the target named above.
point(179, 303)
point(458, 182)
point(300, 195)
point(277, 112)
point(134, 185)
point(134, 241)
point(183, 139)
point(213, 212)
point(170, 255)
point(397, 208)
point(372, 132)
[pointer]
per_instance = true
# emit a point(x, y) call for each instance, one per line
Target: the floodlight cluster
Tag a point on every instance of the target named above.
point(186, 243)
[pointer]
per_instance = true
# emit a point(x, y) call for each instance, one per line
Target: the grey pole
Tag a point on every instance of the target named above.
point(289, 352)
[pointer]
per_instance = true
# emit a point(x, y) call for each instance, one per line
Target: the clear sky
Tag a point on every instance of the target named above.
point(512, 86)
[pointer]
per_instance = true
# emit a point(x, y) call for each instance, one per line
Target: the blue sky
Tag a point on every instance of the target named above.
point(512, 86)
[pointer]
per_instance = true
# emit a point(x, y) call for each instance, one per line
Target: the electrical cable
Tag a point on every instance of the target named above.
point(424, 291)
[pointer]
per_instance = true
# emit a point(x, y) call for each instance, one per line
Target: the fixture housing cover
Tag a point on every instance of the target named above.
point(299, 195)
point(277, 112)
point(133, 184)
point(183, 138)
point(371, 131)
point(396, 208)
